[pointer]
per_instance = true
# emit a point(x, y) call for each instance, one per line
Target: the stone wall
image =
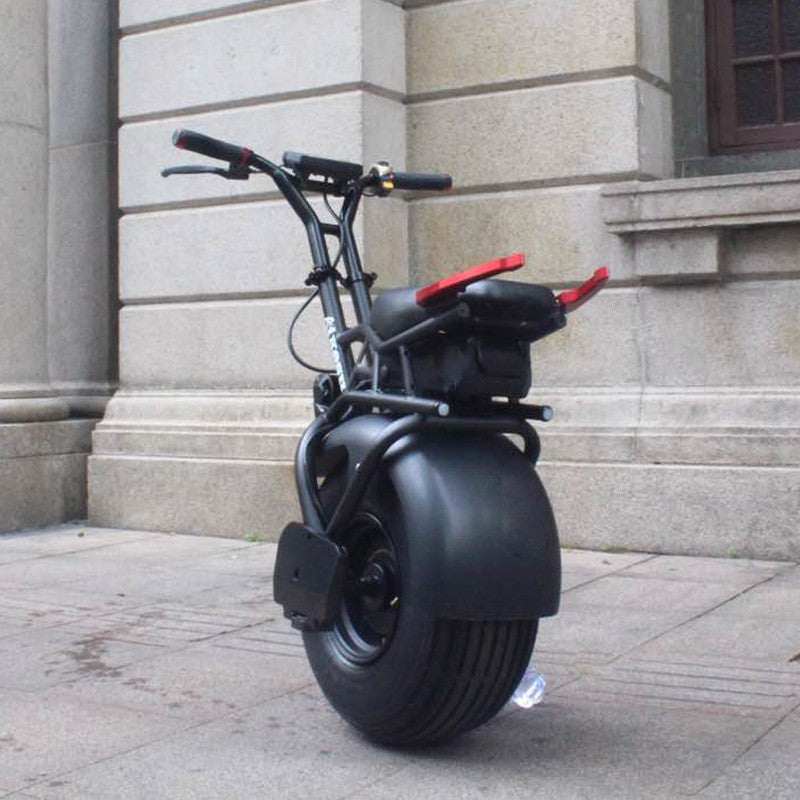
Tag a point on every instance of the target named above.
point(675, 390)
point(210, 402)
point(55, 315)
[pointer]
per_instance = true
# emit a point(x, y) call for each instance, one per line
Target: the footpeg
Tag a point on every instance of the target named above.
point(309, 577)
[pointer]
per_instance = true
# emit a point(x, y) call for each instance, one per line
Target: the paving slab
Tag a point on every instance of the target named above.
point(293, 747)
point(44, 735)
point(38, 659)
point(631, 589)
point(154, 665)
point(147, 579)
point(769, 769)
point(723, 687)
point(769, 598)
point(62, 539)
point(708, 570)
point(54, 606)
point(572, 748)
point(584, 566)
point(206, 682)
point(737, 636)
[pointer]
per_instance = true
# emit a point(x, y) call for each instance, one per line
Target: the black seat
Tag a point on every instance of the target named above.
point(396, 309)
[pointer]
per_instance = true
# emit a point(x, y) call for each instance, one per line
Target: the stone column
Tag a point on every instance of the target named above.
point(54, 265)
point(25, 391)
point(81, 286)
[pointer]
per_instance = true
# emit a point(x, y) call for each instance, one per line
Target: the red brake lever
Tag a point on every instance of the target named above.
point(575, 298)
point(453, 284)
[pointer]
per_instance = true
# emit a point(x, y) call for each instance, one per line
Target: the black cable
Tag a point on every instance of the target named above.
point(290, 343)
point(336, 216)
point(290, 332)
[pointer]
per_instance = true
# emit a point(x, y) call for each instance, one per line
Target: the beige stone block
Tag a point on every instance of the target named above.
point(79, 316)
point(586, 407)
point(217, 497)
point(339, 130)
point(482, 42)
point(559, 230)
point(383, 45)
point(665, 254)
point(769, 249)
point(23, 209)
point(384, 233)
point(42, 490)
point(133, 13)
point(736, 426)
point(734, 408)
point(751, 447)
point(239, 249)
point(745, 199)
point(136, 13)
point(23, 62)
point(219, 345)
point(222, 425)
point(145, 148)
point(30, 402)
point(46, 438)
point(598, 347)
point(259, 445)
point(263, 53)
point(740, 334)
point(594, 445)
point(383, 130)
point(85, 398)
point(697, 510)
point(543, 134)
point(223, 410)
point(656, 155)
point(245, 249)
point(652, 37)
point(78, 71)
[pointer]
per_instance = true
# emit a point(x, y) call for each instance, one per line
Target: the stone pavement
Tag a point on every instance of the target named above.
point(150, 666)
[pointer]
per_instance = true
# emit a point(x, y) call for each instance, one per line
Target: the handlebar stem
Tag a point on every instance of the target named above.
point(296, 199)
point(352, 261)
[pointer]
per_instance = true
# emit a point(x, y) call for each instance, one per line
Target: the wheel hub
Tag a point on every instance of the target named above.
point(371, 600)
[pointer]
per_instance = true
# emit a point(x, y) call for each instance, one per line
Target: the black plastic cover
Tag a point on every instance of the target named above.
point(328, 167)
point(480, 536)
point(309, 577)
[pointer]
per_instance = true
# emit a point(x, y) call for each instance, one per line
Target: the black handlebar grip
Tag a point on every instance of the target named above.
point(420, 181)
point(214, 148)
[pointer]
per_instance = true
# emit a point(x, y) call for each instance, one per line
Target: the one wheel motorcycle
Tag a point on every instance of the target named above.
point(428, 550)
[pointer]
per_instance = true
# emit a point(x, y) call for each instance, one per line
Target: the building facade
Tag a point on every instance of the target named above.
point(582, 133)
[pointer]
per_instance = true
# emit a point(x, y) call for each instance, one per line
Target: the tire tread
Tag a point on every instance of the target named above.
point(473, 672)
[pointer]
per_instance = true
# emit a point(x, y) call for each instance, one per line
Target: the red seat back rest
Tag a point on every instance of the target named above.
point(451, 285)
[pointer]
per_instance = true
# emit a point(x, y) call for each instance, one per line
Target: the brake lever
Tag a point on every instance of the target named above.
point(232, 173)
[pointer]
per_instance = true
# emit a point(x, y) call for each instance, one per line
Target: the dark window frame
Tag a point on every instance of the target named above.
point(725, 136)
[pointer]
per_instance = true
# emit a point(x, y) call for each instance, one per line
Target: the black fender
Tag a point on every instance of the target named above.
point(482, 539)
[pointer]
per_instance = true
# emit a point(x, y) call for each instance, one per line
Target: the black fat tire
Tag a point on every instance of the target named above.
point(436, 679)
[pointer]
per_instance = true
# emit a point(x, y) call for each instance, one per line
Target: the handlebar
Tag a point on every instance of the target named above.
point(420, 181)
point(214, 148)
point(340, 172)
